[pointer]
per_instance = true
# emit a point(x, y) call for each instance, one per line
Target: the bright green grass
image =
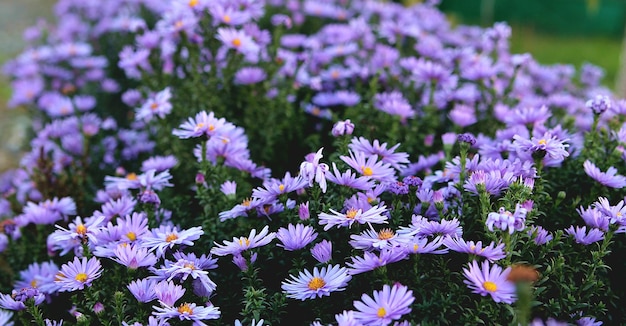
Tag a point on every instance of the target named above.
point(548, 49)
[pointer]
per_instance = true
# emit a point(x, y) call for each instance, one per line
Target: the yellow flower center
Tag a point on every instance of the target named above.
point(542, 142)
point(199, 125)
point(81, 277)
point(131, 236)
point(131, 176)
point(211, 127)
point(246, 202)
point(244, 241)
point(316, 283)
point(236, 42)
point(33, 283)
point(334, 74)
point(381, 312)
point(351, 213)
point(367, 171)
point(316, 111)
point(226, 19)
point(185, 309)
point(385, 234)
point(154, 106)
point(619, 214)
point(193, 3)
point(190, 266)
point(281, 188)
point(415, 247)
point(81, 229)
point(171, 237)
point(490, 286)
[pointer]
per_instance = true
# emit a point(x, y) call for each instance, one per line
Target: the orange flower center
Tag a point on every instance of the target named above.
point(381, 312)
point(316, 283)
point(244, 241)
point(193, 3)
point(81, 277)
point(281, 188)
point(154, 106)
point(490, 286)
point(351, 213)
point(131, 176)
point(226, 19)
point(185, 309)
point(171, 237)
point(236, 42)
point(542, 142)
point(81, 229)
point(385, 234)
point(367, 171)
point(131, 236)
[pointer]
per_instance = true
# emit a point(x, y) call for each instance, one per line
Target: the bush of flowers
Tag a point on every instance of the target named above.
point(306, 162)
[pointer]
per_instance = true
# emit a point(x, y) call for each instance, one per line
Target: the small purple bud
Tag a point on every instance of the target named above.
point(303, 211)
point(467, 138)
point(343, 128)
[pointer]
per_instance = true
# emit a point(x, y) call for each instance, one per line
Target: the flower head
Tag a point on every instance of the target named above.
point(385, 306)
point(295, 237)
point(79, 273)
point(490, 280)
point(320, 283)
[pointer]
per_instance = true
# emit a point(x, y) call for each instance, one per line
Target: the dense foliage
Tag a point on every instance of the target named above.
point(372, 164)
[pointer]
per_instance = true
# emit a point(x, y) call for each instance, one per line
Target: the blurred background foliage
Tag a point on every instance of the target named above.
point(553, 31)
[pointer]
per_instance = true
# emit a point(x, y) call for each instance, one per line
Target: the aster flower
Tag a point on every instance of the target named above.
point(343, 128)
point(385, 306)
point(240, 244)
point(548, 145)
point(187, 311)
point(39, 276)
point(349, 179)
point(168, 293)
point(167, 236)
point(229, 188)
point(159, 163)
point(422, 245)
point(504, 219)
point(143, 290)
point(490, 252)
point(78, 273)
point(133, 256)
point(5, 318)
point(311, 170)
point(581, 235)
point(320, 283)
point(322, 251)
point(249, 75)
point(202, 124)
point(369, 166)
point(610, 178)
point(375, 240)
point(295, 237)
point(372, 215)
point(490, 280)
point(370, 261)
point(159, 106)
point(539, 235)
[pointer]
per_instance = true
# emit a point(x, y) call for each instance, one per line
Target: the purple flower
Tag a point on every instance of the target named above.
point(159, 163)
point(610, 178)
point(372, 215)
point(370, 261)
point(548, 145)
point(344, 127)
point(599, 104)
point(539, 235)
point(168, 293)
point(159, 105)
point(249, 75)
point(320, 283)
point(581, 236)
point(240, 244)
point(369, 166)
point(385, 306)
point(490, 252)
point(322, 251)
point(490, 281)
point(295, 237)
point(229, 188)
point(349, 179)
point(187, 311)
point(311, 170)
point(504, 219)
point(133, 256)
point(387, 155)
point(303, 211)
point(143, 289)
point(167, 236)
point(79, 273)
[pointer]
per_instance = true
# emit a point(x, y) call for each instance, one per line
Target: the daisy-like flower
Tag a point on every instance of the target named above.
point(240, 244)
point(370, 261)
point(187, 311)
point(610, 178)
point(422, 245)
point(385, 306)
point(79, 273)
point(581, 235)
point(202, 124)
point(369, 166)
point(323, 251)
point(167, 236)
point(490, 280)
point(295, 237)
point(389, 156)
point(548, 145)
point(5, 318)
point(490, 252)
point(320, 283)
point(168, 293)
point(375, 240)
point(372, 215)
point(349, 179)
point(133, 256)
point(159, 106)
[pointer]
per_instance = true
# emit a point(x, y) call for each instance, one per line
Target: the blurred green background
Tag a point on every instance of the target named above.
point(555, 31)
